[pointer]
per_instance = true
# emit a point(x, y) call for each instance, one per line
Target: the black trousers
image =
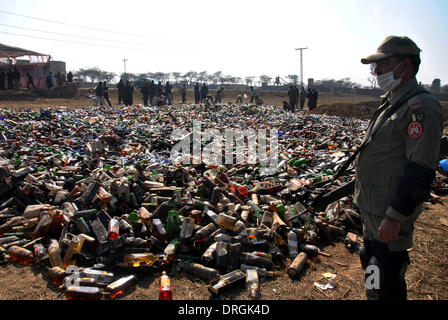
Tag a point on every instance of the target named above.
point(392, 267)
point(197, 98)
point(145, 100)
point(106, 97)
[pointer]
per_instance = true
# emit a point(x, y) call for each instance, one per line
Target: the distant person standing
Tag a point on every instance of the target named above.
point(99, 94)
point(293, 98)
point(145, 92)
point(152, 91)
point(169, 93)
point(315, 97)
point(2, 79)
point(239, 99)
point(59, 79)
point(106, 93)
point(16, 79)
point(159, 89)
point(197, 94)
point(10, 77)
point(310, 97)
point(204, 92)
point(69, 76)
point(120, 89)
point(218, 95)
point(254, 94)
point(50, 81)
point(302, 97)
point(30, 81)
point(129, 94)
point(183, 92)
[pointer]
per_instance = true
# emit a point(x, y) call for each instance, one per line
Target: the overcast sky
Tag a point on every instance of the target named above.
point(238, 37)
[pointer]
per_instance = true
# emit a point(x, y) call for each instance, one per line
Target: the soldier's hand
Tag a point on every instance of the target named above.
point(389, 229)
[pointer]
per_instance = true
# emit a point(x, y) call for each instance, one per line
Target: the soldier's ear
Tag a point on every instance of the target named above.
point(408, 68)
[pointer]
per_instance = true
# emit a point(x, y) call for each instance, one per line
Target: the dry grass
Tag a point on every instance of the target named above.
point(427, 276)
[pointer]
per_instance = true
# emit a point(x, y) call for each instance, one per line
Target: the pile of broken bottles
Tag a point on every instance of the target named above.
point(91, 193)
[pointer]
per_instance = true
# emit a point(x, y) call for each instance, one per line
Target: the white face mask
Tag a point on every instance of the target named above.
point(387, 82)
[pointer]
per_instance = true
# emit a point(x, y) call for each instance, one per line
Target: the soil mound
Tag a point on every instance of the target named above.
point(348, 110)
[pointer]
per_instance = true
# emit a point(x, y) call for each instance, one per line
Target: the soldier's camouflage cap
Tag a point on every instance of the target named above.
point(391, 46)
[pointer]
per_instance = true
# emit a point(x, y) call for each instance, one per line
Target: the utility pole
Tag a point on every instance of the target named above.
point(124, 61)
point(301, 65)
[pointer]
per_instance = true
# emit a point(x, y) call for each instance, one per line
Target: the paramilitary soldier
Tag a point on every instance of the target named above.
point(395, 168)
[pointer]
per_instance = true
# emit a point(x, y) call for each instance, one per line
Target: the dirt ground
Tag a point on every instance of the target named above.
point(427, 276)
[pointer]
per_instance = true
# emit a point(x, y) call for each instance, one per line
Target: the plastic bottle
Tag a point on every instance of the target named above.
point(252, 259)
point(113, 230)
point(186, 231)
point(82, 226)
point(252, 284)
point(262, 272)
point(257, 210)
point(159, 230)
point(87, 214)
point(54, 253)
point(209, 254)
point(56, 275)
point(118, 287)
point(267, 219)
point(227, 281)
point(205, 232)
point(165, 288)
point(297, 265)
point(173, 225)
point(137, 259)
point(20, 255)
point(44, 225)
point(292, 244)
point(226, 221)
point(74, 248)
point(83, 293)
point(39, 251)
point(205, 273)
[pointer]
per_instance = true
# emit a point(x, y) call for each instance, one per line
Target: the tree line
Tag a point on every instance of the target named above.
point(191, 77)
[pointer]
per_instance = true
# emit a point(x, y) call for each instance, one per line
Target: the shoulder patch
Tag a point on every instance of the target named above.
point(415, 103)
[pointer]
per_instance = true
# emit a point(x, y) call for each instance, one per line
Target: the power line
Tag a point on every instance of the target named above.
point(77, 42)
point(85, 27)
point(81, 37)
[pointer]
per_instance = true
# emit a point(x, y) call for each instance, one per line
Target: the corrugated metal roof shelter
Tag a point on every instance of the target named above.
point(8, 53)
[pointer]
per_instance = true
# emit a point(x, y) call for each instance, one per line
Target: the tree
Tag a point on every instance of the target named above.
point(249, 80)
point(93, 74)
point(189, 76)
point(265, 78)
point(293, 78)
point(107, 76)
point(160, 76)
point(202, 76)
point(218, 76)
point(176, 76)
point(81, 73)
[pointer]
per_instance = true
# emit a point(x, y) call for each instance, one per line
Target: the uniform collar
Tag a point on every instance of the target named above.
point(405, 88)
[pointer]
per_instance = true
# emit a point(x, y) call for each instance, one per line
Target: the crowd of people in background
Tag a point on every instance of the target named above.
point(157, 94)
point(298, 97)
point(10, 79)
